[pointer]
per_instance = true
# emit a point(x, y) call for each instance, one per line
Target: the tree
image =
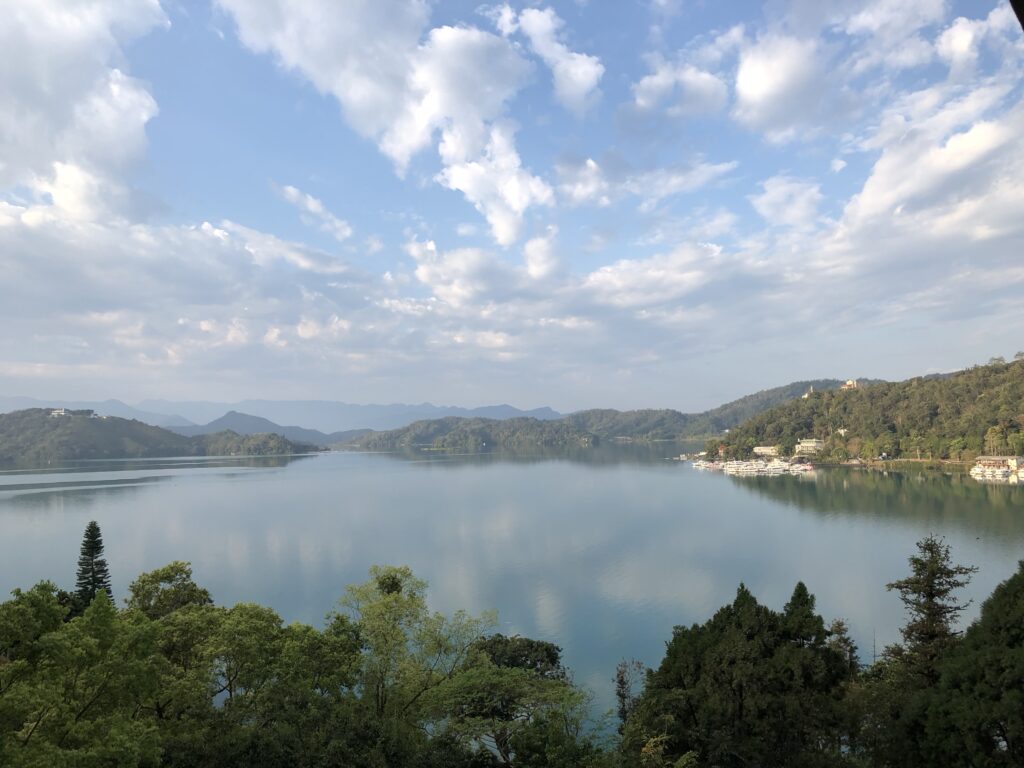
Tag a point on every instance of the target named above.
point(93, 574)
point(749, 687)
point(979, 719)
point(932, 607)
point(165, 590)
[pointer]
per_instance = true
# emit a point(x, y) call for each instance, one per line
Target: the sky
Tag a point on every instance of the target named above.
point(641, 203)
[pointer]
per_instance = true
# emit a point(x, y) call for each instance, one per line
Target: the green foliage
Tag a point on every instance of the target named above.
point(949, 417)
point(166, 590)
point(173, 680)
point(32, 437)
point(979, 714)
point(749, 687)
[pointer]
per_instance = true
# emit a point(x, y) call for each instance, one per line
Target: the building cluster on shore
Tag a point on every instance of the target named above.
point(755, 467)
point(999, 469)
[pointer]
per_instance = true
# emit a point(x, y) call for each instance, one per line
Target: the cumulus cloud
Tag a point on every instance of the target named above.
point(72, 119)
point(779, 85)
point(689, 90)
point(576, 75)
point(403, 91)
point(638, 283)
point(315, 214)
point(213, 302)
point(497, 184)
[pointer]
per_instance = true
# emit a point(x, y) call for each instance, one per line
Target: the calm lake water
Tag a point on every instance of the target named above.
point(601, 552)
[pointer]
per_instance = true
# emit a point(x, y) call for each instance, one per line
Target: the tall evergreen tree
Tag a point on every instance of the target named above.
point(932, 607)
point(93, 574)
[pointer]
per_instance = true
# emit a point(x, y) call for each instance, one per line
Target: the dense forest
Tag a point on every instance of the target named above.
point(454, 433)
point(583, 428)
point(33, 437)
point(171, 679)
point(975, 411)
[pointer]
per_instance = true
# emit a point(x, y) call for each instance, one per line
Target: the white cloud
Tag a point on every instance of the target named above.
point(655, 186)
point(690, 90)
point(896, 18)
point(638, 283)
point(788, 202)
point(497, 185)
point(541, 259)
point(576, 75)
point(504, 18)
point(315, 214)
point(461, 277)
point(837, 165)
point(586, 182)
point(779, 85)
point(360, 53)
point(460, 80)
point(71, 118)
point(583, 183)
point(402, 92)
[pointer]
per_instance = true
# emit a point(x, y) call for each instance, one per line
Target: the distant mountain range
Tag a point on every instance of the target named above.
point(588, 427)
point(329, 416)
point(324, 416)
point(247, 424)
point(325, 423)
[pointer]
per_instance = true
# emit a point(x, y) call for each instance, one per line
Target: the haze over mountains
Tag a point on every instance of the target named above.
point(325, 416)
point(326, 423)
point(246, 424)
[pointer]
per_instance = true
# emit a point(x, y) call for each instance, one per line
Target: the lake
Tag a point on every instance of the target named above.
point(600, 551)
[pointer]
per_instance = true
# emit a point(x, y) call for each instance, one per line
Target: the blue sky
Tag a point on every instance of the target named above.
point(648, 203)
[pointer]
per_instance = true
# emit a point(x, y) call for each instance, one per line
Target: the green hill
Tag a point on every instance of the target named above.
point(34, 437)
point(454, 433)
point(666, 424)
point(583, 428)
point(978, 410)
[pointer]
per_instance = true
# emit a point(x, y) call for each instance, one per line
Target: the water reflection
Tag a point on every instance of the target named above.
point(936, 500)
point(606, 453)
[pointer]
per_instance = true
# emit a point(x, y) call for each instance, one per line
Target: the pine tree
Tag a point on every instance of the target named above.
point(93, 574)
point(931, 606)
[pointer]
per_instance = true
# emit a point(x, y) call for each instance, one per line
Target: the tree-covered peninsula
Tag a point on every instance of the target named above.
point(40, 436)
point(976, 411)
point(173, 680)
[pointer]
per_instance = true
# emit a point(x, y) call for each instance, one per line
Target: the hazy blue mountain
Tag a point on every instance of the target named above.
point(329, 416)
point(104, 408)
point(247, 424)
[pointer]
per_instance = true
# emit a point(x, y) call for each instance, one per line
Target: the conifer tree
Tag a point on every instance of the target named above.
point(93, 574)
point(932, 607)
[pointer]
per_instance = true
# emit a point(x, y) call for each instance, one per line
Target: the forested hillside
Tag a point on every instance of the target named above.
point(34, 437)
point(454, 433)
point(979, 410)
point(584, 428)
